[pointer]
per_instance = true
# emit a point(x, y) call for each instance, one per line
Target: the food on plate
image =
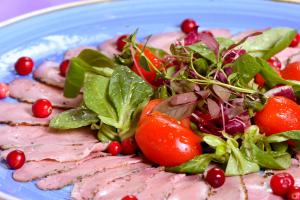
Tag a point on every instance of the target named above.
point(119, 121)
point(4, 90)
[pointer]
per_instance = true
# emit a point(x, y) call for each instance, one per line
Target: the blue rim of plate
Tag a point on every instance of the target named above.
point(266, 9)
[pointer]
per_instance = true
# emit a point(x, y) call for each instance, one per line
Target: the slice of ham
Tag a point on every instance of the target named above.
point(29, 91)
point(87, 188)
point(190, 187)
point(19, 136)
point(48, 72)
point(109, 47)
point(21, 114)
point(294, 58)
point(88, 168)
point(164, 40)
point(58, 152)
point(76, 51)
point(287, 53)
point(220, 32)
point(38, 169)
point(239, 36)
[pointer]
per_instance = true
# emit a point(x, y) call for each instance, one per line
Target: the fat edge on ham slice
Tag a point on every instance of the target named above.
point(109, 47)
point(21, 114)
point(88, 168)
point(30, 91)
point(76, 51)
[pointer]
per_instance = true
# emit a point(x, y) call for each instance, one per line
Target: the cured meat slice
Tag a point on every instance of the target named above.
point(20, 113)
point(294, 58)
point(48, 72)
point(109, 47)
point(58, 152)
point(30, 91)
point(76, 51)
point(243, 34)
point(190, 187)
point(88, 168)
point(86, 188)
point(164, 40)
point(39, 169)
point(19, 136)
point(220, 32)
point(287, 53)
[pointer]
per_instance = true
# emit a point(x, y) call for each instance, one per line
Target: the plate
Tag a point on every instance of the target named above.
point(47, 34)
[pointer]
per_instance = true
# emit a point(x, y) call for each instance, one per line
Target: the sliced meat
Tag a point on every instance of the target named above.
point(220, 32)
point(164, 40)
point(87, 187)
point(287, 53)
point(294, 58)
point(19, 136)
point(48, 73)
point(109, 47)
point(232, 189)
point(38, 169)
point(30, 91)
point(88, 168)
point(76, 51)
point(241, 35)
point(58, 152)
point(190, 187)
point(20, 113)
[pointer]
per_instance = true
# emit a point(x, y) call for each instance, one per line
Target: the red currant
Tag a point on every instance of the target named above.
point(24, 66)
point(208, 32)
point(15, 159)
point(215, 177)
point(275, 62)
point(4, 90)
point(129, 197)
point(281, 182)
point(42, 108)
point(233, 55)
point(294, 193)
point(114, 148)
point(128, 146)
point(295, 42)
point(121, 43)
point(63, 67)
point(188, 25)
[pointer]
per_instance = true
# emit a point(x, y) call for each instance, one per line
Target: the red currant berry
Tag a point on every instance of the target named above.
point(281, 182)
point(128, 146)
point(129, 197)
point(42, 108)
point(4, 90)
point(233, 55)
point(208, 32)
point(121, 43)
point(188, 25)
point(215, 177)
point(24, 66)
point(295, 42)
point(275, 62)
point(114, 148)
point(294, 193)
point(15, 159)
point(63, 67)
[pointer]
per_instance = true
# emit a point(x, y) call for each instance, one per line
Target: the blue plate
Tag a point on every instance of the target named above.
point(47, 34)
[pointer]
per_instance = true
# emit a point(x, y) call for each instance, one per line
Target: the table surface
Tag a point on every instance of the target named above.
point(13, 8)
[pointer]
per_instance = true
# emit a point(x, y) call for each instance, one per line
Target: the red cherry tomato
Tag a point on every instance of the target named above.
point(149, 76)
point(15, 159)
point(188, 25)
point(164, 141)
point(63, 67)
point(128, 146)
point(42, 108)
point(295, 42)
point(4, 90)
point(24, 66)
point(294, 193)
point(275, 64)
point(129, 197)
point(215, 177)
point(121, 43)
point(280, 183)
point(278, 115)
point(292, 71)
point(114, 148)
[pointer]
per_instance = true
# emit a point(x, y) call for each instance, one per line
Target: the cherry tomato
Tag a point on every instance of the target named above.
point(129, 197)
point(128, 146)
point(63, 67)
point(4, 90)
point(278, 115)
point(188, 25)
point(275, 64)
point(295, 42)
point(42, 108)
point(215, 177)
point(15, 159)
point(164, 141)
point(121, 43)
point(292, 71)
point(294, 193)
point(149, 76)
point(24, 66)
point(280, 183)
point(114, 148)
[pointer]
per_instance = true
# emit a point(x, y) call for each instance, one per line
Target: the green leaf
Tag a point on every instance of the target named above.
point(95, 96)
point(107, 133)
point(96, 58)
point(269, 43)
point(204, 51)
point(246, 68)
point(201, 66)
point(224, 43)
point(157, 52)
point(74, 118)
point(284, 136)
point(213, 140)
point(104, 71)
point(195, 166)
point(144, 63)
